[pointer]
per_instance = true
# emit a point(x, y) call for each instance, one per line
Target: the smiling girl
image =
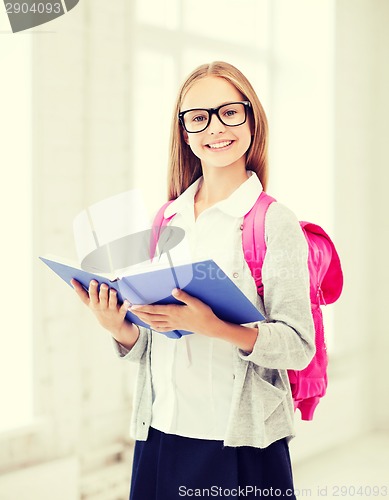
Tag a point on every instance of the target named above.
point(213, 411)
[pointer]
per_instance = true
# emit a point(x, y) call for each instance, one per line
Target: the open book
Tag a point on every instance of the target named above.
point(153, 284)
point(113, 240)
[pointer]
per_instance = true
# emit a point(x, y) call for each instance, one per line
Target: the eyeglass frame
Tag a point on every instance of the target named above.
point(211, 112)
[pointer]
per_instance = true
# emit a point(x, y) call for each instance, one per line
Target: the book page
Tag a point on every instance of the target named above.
point(113, 233)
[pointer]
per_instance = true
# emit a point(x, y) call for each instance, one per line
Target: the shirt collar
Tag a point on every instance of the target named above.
point(184, 200)
point(237, 204)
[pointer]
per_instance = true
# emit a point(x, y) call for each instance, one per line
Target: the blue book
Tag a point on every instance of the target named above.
point(204, 280)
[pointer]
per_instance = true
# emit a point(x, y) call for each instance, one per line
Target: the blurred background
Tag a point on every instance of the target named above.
point(85, 109)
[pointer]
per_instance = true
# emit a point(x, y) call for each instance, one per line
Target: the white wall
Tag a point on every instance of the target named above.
point(377, 165)
point(81, 153)
point(362, 174)
point(16, 245)
point(356, 401)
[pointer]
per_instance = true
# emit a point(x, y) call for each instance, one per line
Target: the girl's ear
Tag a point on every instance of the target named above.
point(185, 136)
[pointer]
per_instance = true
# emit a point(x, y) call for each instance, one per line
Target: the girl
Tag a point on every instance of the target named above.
point(213, 412)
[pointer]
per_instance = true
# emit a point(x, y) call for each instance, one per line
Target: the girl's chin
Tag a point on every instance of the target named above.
point(221, 165)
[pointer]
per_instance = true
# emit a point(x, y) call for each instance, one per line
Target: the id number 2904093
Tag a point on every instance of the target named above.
point(359, 491)
point(34, 8)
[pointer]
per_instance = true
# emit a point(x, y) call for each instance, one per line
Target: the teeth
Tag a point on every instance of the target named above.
point(220, 145)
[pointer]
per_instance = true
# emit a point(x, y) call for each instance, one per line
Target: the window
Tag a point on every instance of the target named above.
point(16, 225)
point(302, 115)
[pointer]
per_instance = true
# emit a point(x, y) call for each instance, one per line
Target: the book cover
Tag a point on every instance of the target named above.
point(204, 280)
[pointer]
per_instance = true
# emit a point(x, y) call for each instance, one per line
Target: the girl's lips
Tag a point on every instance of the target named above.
point(220, 146)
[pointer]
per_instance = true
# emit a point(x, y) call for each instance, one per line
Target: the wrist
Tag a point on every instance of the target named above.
point(213, 327)
point(126, 335)
point(243, 337)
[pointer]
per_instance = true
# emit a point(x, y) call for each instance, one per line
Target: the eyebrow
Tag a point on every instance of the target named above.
point(214, 107)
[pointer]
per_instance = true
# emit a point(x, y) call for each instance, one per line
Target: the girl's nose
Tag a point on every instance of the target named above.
point(215, 126)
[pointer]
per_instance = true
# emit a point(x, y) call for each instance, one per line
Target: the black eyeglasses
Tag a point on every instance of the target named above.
point(231, 114)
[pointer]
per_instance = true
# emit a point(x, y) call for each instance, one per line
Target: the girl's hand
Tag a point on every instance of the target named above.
point(194, 316)
point(108, 312)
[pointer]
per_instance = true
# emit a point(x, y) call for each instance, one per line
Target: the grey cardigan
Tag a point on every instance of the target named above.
point(261, 409)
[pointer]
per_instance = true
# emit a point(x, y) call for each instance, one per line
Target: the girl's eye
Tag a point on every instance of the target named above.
point(230, 112)
point(199, 118)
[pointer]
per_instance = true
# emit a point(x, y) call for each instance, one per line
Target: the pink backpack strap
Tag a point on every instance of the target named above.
point(253, 237)
point(158, 224)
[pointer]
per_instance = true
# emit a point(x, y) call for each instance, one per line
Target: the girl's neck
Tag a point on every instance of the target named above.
point(219, 183)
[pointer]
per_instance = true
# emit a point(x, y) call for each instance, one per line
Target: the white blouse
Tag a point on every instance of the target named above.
point(192, 377)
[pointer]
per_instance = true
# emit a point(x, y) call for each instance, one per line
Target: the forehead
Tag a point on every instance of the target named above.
point(209, 92)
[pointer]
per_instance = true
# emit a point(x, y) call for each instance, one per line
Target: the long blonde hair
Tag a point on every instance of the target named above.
point(184, 166)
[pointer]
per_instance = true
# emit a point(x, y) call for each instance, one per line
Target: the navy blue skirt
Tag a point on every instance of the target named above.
point(170, 467)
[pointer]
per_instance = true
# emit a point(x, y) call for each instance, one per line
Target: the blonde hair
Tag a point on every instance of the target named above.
point(184, 166)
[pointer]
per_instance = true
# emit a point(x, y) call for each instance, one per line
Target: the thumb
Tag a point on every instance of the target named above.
point(183, 296)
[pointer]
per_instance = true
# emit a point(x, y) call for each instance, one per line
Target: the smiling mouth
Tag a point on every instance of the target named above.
point(220, 145)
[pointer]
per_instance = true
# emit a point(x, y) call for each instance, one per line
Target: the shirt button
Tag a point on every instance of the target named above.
point(236, 275)
point(241, 227)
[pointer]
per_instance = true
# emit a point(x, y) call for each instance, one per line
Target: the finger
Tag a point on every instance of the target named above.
point(80, 290)
point(112, 299)
point(150, 317)
point(103, 295)
point(93, 293)
point(159, 330)
point(183, 296)
point(160, 326)
point(149, 309)
point(138, 308)
point(124, 307)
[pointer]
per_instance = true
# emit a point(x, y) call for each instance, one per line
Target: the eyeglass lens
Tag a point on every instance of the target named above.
point(231, 115)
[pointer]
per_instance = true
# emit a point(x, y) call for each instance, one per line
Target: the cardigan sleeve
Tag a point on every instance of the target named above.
point(286, 339)
point(138, 349)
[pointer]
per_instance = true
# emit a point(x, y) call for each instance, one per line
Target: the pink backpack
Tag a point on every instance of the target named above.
point(326, 283)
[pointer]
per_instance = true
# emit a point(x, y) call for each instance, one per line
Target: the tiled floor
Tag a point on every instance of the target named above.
point(359, 470)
